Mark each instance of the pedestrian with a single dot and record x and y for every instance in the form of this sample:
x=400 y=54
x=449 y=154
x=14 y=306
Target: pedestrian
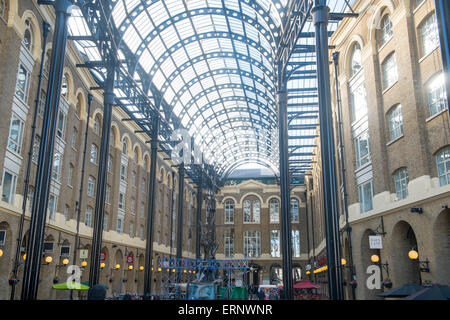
x=97 y=292
x=261 y=294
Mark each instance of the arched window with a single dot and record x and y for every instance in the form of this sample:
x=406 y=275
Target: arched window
x=124 y=146
x=274 y=211
x=136 y=157
x=389 y=71
x=428 y=35
x=229 y=211
x=386 y=31
x=251 y=212
x=443 y=166
x=355 y=60
x=395 y=119
x=436 y=94
x=401 y=180
x=97 y=125
x=417 y=3
x=28 y=36
x=294 y=210
x=3 y=10
x=65 y=87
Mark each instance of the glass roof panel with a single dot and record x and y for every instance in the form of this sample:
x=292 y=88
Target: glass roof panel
x=214 y=63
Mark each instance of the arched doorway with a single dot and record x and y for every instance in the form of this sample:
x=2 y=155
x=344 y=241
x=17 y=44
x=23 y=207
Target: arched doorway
x=441 y=239
x=5 y=259
x=366 y=254
x=276 y=274
x=296 y=273
x=117 y=273
x=105 y=271
x=404 y=269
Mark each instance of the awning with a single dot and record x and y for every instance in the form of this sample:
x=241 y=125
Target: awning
x=73 y=286
x=403 y=291
x=306 y=284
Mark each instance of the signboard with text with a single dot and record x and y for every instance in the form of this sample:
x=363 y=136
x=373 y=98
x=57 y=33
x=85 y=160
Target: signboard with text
x=375 y=242
x=84 y=254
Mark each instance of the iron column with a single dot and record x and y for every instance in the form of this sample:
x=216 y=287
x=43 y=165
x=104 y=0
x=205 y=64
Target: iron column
x=46 y=30
x=198 y=230
x=180 y=210
x=286 y=241
x=151 y=208
x=342 y=166
x=45 y=161
x=108 y=103
x=80 y=196
x=320 y=15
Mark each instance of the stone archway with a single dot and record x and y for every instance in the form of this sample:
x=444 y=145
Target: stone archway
x=404 y=269
x=6 y=260
x=441 y=241
x=117 y=274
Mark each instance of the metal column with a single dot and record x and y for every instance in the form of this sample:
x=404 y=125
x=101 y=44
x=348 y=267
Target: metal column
x=80 y=196
x=46 y=30
x=342 y=166
x=198 y=229
x=45 y=161
x=180 y=210
x=320 y=15
x=151 y=208
x=286 y=241
x=108 y=103
x=443 y=14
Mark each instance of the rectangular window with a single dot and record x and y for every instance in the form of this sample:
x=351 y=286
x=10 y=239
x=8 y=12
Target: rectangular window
x=123 y=172
x=91 y=186
x=132 y=206
x=365 y=192
x=109 y=165
x=252 y=244
x=56 y=170
x=42 y=99
x=22 y=84
x=74 y=138
x=30 y=196
x=274 y=211
x=362 y=149
x=133 y=179
x=70 y=175
x=141 y=232
x=142 y=210
x=294 y=210
x=108 y=194
x=15 y=134
x=229 y=243
x=275 y=243
x=389 y=68
x=105 y=222
x=295 y=244
x=401 y=180
x=66 y=212
x=121 y=201
x=119 y=228
x=358 y=99
x=36 y=148
x=61 y=124
x=88 y=217
x=52 y=205
x=229 y=211
x=395 y=118
x=143 y=186
x=9 y=187
x=131 y=229
x=94 y=153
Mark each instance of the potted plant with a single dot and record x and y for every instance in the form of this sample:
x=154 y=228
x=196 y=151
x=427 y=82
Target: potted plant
x=387 y=283
x=427 y=283
x=353 y=283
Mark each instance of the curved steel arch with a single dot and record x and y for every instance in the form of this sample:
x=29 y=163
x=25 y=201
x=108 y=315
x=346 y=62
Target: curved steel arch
x=210 y=35
x=218 y=72
x=228 y=170
x=259 y=11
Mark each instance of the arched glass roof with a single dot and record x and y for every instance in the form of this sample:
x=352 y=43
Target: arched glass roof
x=209 y=64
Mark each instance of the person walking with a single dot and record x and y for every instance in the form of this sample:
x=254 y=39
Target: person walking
x=261 y=294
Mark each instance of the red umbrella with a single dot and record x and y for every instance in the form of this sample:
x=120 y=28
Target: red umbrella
x=305 y=284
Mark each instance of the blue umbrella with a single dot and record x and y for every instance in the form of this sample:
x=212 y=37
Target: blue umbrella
x=435 y=292
x=403 y=291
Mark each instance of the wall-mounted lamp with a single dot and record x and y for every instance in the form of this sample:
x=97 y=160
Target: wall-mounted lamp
x=102 y=265
x=424 y=265
x=130 y=267
x=84 y=264
x=417 y=210
x=48 y=259
x=1 y=253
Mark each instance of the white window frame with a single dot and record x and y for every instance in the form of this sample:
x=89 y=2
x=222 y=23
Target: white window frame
x=294 y=217
x=88 y=216
x=401 y=180
x=94 y=154
x=362 y=161
x=229 y=211
x=395 y=120
x=252 y=244
x=52 y=206
x=274 y=211
x=296 y=244
x=275 y=244
x=13 y=185
x=22 y=92
x=389 y=71
x=362 y=197
x=15 y=145
x=428 y=35
x=91 y=186
x=442 y=163
x=228 y=243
